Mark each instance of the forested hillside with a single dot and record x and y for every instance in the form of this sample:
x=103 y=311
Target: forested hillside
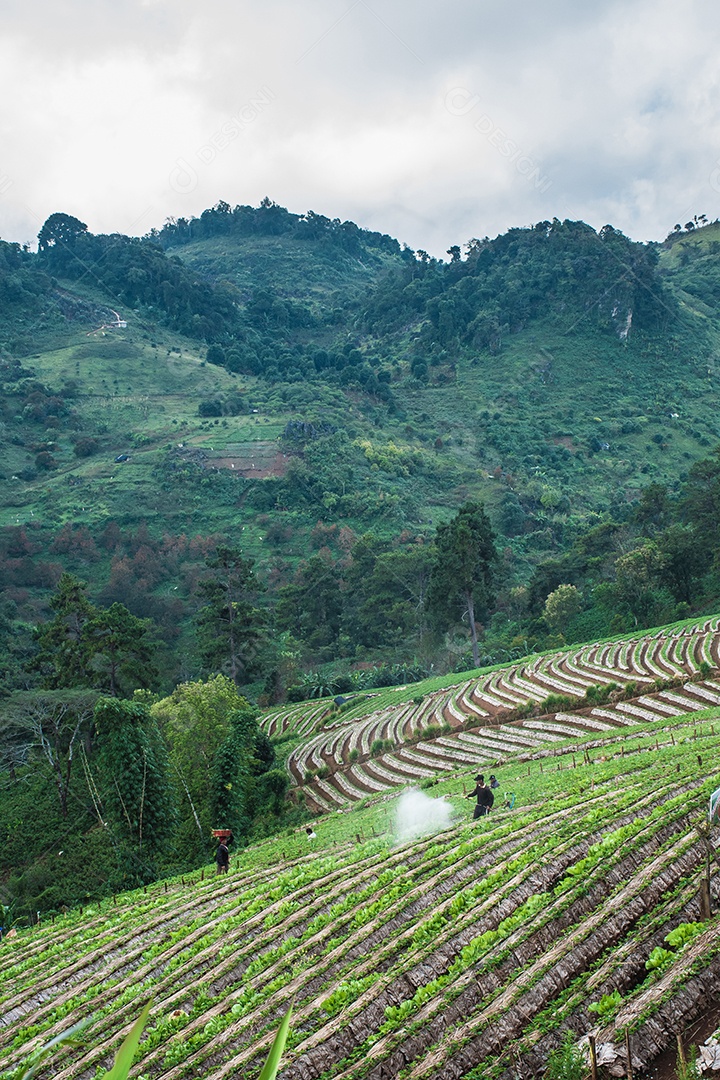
x=288 y=452
x=321 y=399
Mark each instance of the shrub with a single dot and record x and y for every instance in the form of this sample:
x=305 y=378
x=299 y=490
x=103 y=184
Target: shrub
x=378 y=745
x=297 y=693
x=556 y=702
x=599 y=695
x=215 y=355
x=45 y=460
x=567 y=1062
x=86 y=447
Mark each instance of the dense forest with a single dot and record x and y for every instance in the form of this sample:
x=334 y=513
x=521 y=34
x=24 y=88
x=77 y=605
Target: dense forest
x=257 y=456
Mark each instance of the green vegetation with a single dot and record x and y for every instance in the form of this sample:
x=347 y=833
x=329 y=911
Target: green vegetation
x=259 y=458
x=318 y=400
x=482 y=947
x=99 y=793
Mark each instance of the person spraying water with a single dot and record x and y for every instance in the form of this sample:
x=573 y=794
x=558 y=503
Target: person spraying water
x=485 y=798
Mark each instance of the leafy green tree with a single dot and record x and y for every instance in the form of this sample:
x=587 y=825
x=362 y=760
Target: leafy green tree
x=216 y=355
x=63 y=656
x=243 y=757
x=195 y=722
x=311 y=606
x=230 y=624
x=231 y=775
x=272 y=789
x=60 y=230
x=121 y=650
x=561 y=605
x=83 y=645
x=684 y=559
x=134 y=785
x=700 y=503
x=385 y=595
x=635 y=589
x=655 y=509
x=462 y=576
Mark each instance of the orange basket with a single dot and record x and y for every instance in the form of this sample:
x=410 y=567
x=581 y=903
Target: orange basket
x=222 y=834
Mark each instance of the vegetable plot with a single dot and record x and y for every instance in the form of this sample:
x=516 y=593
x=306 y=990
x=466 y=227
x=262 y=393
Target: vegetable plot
x=469 y=953
x=484 y=720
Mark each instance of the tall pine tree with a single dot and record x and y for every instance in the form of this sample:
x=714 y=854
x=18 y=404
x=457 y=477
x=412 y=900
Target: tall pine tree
x=461 y=579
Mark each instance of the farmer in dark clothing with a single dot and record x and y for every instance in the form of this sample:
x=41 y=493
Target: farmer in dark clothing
x=484 y=796
x=222 y=858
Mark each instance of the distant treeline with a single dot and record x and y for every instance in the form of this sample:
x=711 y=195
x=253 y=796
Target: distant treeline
x=269 y=219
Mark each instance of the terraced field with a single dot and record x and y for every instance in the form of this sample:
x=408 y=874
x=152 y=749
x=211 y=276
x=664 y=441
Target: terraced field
x=467 y=952
x=477 y=722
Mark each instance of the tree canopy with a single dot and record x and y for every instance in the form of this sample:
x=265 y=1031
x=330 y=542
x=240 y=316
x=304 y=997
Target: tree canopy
x=462 y=575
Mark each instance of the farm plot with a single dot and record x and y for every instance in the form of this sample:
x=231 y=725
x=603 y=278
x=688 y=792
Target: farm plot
x=481 y=944
x=390 y=746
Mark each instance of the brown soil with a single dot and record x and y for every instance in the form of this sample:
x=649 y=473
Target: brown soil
x=664 y=1067
x=566 y=441
x=254 y=460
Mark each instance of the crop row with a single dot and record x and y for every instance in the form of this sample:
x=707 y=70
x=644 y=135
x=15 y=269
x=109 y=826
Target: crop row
x=491 y=943
x=666 y=654
x=380 y=948
x=339 y=784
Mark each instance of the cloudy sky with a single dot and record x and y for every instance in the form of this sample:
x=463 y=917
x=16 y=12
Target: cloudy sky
x=434 y=122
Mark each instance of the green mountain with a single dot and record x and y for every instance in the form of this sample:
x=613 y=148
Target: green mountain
x=240 y=540
x=294 y=383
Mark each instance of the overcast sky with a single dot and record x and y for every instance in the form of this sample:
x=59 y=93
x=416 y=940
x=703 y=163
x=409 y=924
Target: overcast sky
x=434 y=122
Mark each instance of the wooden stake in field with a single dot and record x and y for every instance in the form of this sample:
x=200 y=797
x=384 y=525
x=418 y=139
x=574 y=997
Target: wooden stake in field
x=705 y=894
x=628 y=1051
x=593 y=1058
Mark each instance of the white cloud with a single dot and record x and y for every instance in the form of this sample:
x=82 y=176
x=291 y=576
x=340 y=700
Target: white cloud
x=609 y=112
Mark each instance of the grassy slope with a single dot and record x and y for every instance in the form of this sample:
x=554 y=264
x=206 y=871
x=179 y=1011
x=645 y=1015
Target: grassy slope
x=565 y=414
x=602 y=920
x=294 y=269
x=140 y=399
x=557 y=390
